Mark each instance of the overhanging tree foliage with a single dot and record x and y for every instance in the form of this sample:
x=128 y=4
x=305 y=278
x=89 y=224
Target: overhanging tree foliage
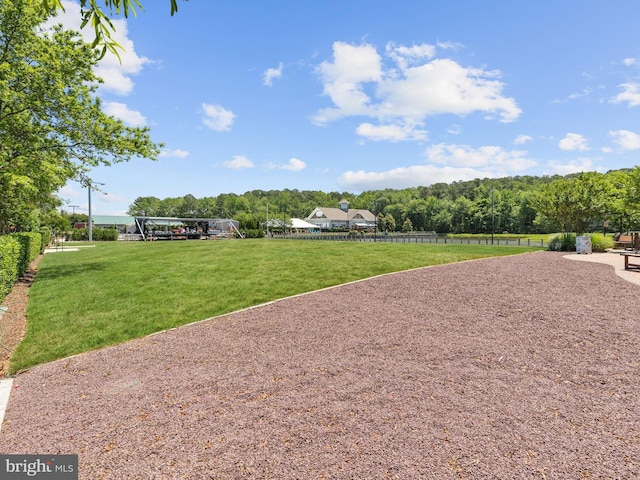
x=52 y=128
x=92 y=14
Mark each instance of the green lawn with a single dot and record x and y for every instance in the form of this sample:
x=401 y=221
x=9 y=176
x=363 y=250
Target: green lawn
x=118 y=291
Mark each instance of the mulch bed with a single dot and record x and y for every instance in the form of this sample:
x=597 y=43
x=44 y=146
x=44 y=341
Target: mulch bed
x=517 y=367
x=13 y=322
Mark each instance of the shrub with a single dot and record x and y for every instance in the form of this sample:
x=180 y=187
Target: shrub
x=97 y=234
x=9 y=260
x=600 y=242
x=78 y=234
x=30 y=243
x=45 y=234
x=253 y=233
x=110 y=234
x=564 y=242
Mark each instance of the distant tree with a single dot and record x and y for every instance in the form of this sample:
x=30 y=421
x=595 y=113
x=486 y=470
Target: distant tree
x=388 y=223
x=145 y=207
x=574 y=202
x=417 y=213
x=407 y=226
x=631 y=197
x=398 y=211
x=441 y=222
x=188 y=207
x=525 y=215
x=463 y=213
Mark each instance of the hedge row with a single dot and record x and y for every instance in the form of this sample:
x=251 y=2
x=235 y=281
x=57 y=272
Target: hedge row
x=17 y=251
x=97 y=234
x=9 y=260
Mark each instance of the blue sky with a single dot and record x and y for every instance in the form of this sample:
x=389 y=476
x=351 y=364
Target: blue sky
x=355 y=95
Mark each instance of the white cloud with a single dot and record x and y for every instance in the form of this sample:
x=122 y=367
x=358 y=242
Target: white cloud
x=69 y=192
x=444 y=86
x=522 y=139
x=582 y=164
x=486 y=157
x=217 y=118
x=294 y=165
x=454 y=129
x=572 y=142
x=626 y=139
x=405 y=56
x=271 y=74
x=629 y=62
x=121 y=111
x=405 y=177
x=393 y=133
x=115 y=73
x=344 y=79
x=630 y=94
x=445 y=163
x=415 y=87
x=238 y=162
x=110 y=197
x=176 y=153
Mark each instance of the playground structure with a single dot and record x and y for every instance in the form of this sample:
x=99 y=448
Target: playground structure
x=175 y=228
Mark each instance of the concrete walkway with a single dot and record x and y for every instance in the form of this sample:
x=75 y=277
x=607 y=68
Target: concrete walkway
x=612 y=258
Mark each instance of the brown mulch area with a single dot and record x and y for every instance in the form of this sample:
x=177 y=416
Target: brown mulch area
x=13 y=322
x=517 y=367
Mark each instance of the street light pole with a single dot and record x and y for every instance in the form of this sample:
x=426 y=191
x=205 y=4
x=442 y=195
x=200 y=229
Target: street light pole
x=492 y=216
x=89 y=184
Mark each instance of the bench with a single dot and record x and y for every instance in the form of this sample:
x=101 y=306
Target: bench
x=624 y=241
x=627 y=264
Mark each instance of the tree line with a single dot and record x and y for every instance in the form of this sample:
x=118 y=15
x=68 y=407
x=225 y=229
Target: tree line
x=521 y=204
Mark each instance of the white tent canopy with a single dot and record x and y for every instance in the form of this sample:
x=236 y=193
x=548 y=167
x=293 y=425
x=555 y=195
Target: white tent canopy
x=298 y=223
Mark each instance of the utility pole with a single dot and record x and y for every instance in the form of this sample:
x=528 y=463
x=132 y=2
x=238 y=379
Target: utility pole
x=89 y=185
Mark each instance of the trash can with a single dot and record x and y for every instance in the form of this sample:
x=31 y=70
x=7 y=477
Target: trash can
x=583 y=245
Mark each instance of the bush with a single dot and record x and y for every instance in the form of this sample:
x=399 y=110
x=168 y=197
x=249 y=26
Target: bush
x=9 y=260
x=110 y=234
x=30 y=243
x=254 y=233
x=97 y=234
x=600 y=242
x=565 y=242
x=45 y=234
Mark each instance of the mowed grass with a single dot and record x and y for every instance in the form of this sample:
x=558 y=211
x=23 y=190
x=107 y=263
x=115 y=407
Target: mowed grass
x=118 y=291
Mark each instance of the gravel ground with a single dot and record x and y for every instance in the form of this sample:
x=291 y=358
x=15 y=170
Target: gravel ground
x=505 y=368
